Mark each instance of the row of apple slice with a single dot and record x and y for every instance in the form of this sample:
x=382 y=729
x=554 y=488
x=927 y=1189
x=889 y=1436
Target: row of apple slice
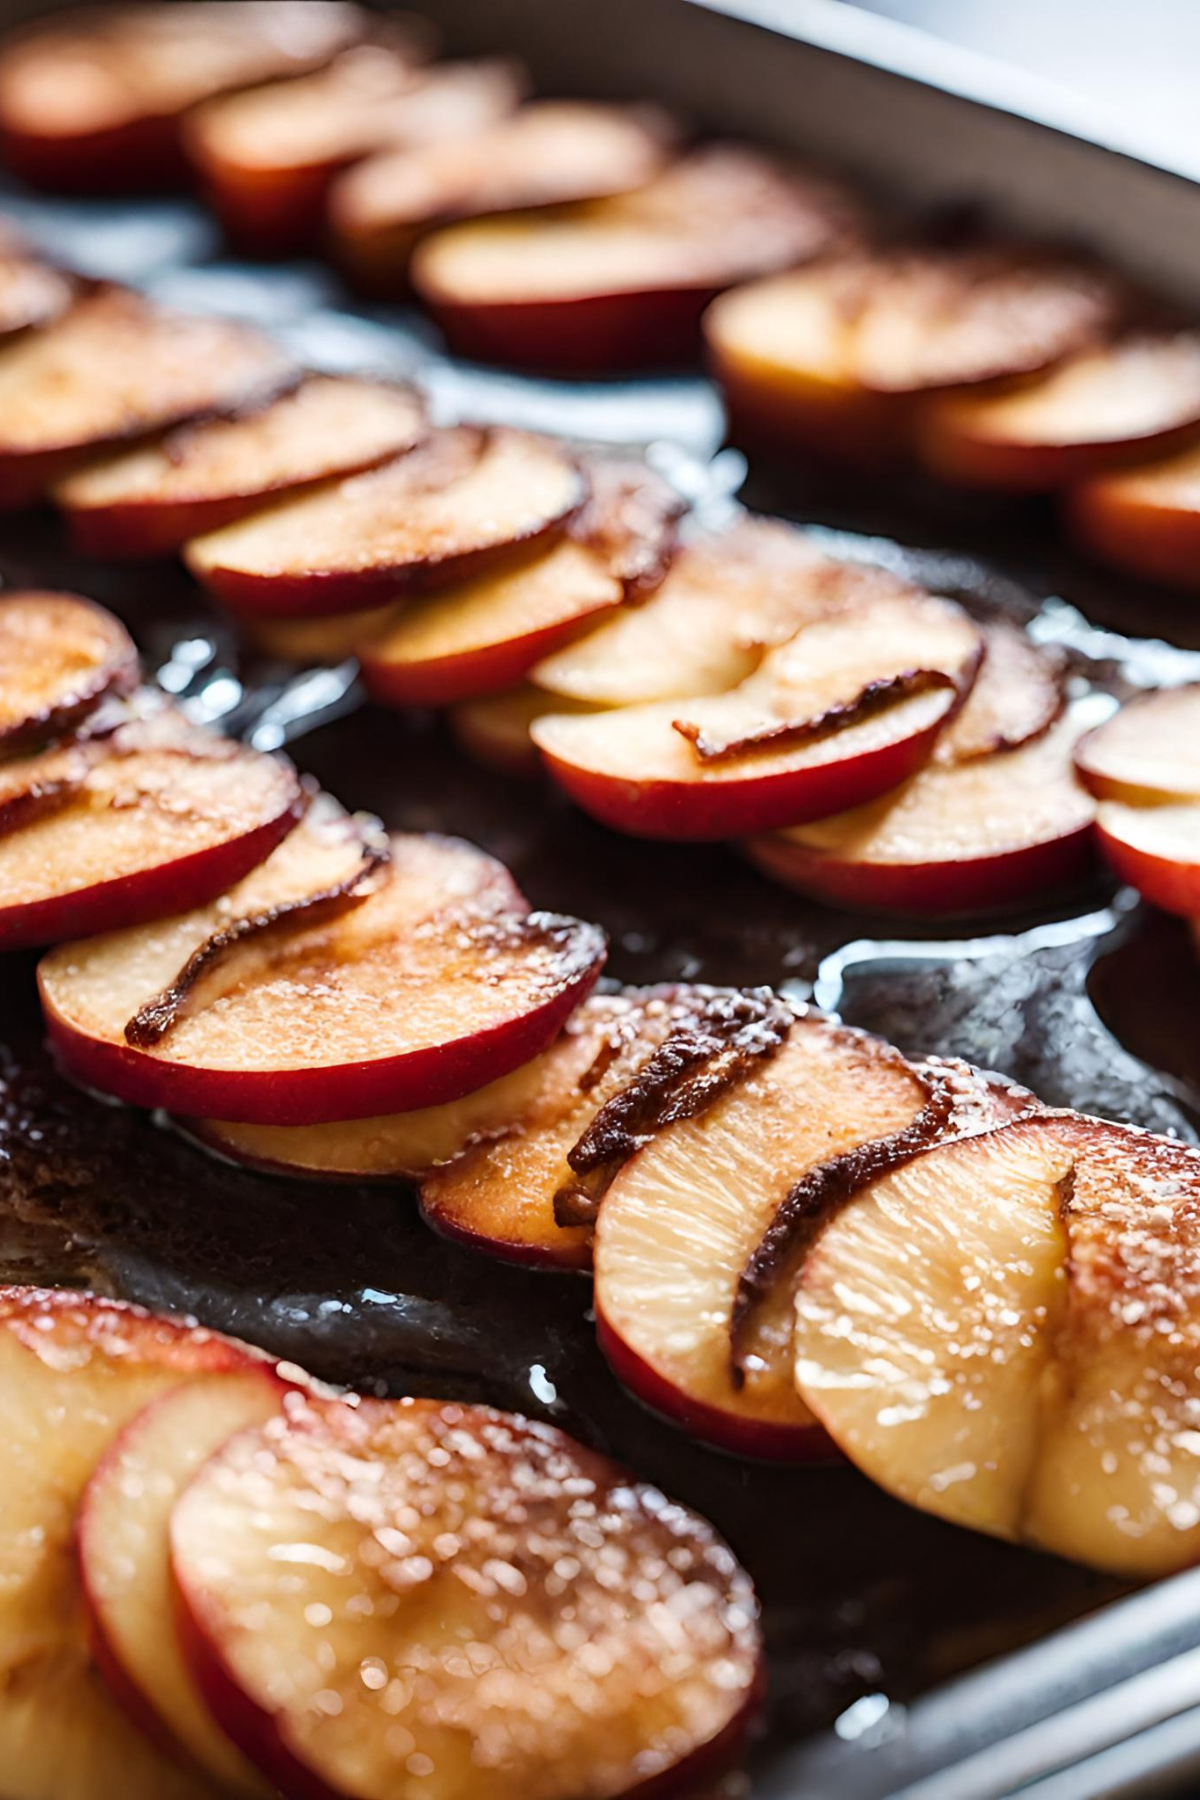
x=220 y=1579
x=1144 y=768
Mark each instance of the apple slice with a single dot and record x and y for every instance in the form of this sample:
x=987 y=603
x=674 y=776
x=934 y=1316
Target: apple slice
x=91 y=101
x=60 y=656
x=117 y=366
x=481 y=636
x=575 y=1631
x=700 y=1237
x=1145 y=521
x=829 y=358
x=844 y=710
x=124 y=1561
x=624 y=281
x=32 y=291
x=74 y=1371
x=547 y=153
x=966 y=837
x=1051 y=1399
x=165 y=816
x=463 y=499
x=147 y=501
x=1147 y=752
x=1117 y=403
x=436 y=982
x=1156 y=849
x=495 y=729
x=1018 y=695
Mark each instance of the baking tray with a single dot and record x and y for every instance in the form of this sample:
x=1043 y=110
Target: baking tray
x=870 y=1609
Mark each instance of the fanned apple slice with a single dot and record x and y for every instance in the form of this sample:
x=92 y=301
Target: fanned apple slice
x=481 y=636
x=961 y=838
x=1018 y=695
x=147 y=501
x=434 y=983
x=91 y=101
x=1156 y=849
x=624 y=281
x=495 y=729
x=1147 y=752
x=124 y=1561
x=60 y=655
x=701 y=1235
x=1052 y=1398
x=844 y=710
x=1144 y=520
x=165 y=816
x=32 y=291
x=461 y=500
x=117 y=366
x=1118 y=403
x=574 y=1631
x=74 y=1371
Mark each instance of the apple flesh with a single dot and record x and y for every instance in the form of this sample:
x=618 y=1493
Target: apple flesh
x=1114 y=404
x=966 y=837
x=462 y=1527
x=32 y=291
x=91 y=102
x=117 y=366
x=164 y=816
x=124 y=1561
x=844 y=710
x=460 y=501
x=1018 y=695
x=149 y=500
x=623 y=282
x=494 y=730
x=1144 y=520
x=74 y=1371
x=1147 y=752
x=61 y=656
x=434 y=983
x=1156 y=849
x=1051 y=1400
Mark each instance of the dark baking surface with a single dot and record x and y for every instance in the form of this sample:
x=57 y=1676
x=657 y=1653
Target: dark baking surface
x=1092 y=1002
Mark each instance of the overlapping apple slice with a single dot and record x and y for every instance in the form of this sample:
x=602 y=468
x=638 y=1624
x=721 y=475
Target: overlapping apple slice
x=844 y=710
x=152 y=817
x=411 y=985
x=117 y=366
x=1120 y=402
x=547 y=153
x=74 y=1371
x=1145 y=520
x=60 y=656
x=832 y=358
x=1156 y=849
x=481 y=636
x=147 y=501
x=701 y=1236
x=32 y=290
x=1051 y=1399
x=459 y=1599
x=462 y=500
x=90 y=101
x=1143 y=765
x=624 y=281
x=495 y=728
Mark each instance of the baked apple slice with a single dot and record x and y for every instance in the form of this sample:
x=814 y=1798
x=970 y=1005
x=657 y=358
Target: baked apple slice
x=623 y=282
x=74 y=1371
x=417 y=985
x=548 y=153
x=701 y=1235
x=1145 y=520
x=164 y=816
x=91 y=101
x=831 y=359
x=125 y=1568
x=1018 y=695
x=495 y=729
x=1119 y=402
x=1147 y=752
x=575 y=1631
x=149 y=500
x=117 y=366
x=463 y=499
x=1051 y=1398
x=481 y=636
x=1156 y=849
x=32 y=290
x=963 y=837
x=844 y=710
x=60 y=656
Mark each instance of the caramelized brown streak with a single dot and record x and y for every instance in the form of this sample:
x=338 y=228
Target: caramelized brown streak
x=875 y=698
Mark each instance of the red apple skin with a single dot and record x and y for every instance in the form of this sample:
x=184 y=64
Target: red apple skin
x=855 y=428
x=982 y=884
x=139 y=156
x=173 y=887
x=1156 y=543
x=133 y=531
x=587 y=335
x=1031 y=468
x=701 y=812
x=486 y=670
x=1175 y=887
x=269 y=213
x=573 y=1259
x=417 y=1078
x=711 y=1425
